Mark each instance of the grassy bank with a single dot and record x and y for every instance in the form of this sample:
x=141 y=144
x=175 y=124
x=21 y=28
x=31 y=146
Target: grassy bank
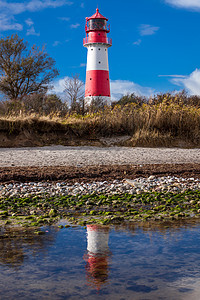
x=100 y=209
x=163 y=124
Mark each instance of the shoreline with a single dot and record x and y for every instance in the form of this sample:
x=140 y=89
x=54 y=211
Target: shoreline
x=160 y=199
x=88 y=191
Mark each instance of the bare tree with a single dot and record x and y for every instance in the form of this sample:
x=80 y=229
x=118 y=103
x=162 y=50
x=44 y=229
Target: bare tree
x=24 y=71
x=74 y=89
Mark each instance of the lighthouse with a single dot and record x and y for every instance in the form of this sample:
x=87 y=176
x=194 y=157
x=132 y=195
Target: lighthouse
x=97 y=44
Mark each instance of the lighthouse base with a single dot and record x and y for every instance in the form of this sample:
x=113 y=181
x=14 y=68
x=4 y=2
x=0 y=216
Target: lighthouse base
x=98 y=100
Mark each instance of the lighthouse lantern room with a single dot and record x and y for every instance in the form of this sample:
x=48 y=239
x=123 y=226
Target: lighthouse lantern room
x=97 y=44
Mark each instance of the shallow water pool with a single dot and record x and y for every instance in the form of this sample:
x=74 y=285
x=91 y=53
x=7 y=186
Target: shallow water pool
x=149 y=261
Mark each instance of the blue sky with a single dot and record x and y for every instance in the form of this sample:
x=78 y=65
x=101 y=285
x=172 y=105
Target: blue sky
x=156 y=43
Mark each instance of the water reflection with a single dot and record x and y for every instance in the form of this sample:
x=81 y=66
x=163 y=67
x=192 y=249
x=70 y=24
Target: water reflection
x=15 y=243
x=98 y=255
x=138 y=261
x=163 y=227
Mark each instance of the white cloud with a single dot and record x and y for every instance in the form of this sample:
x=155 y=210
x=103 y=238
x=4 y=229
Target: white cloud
x=36 y=5
x=75 y=25
x=174 y=76
x=191 y=83
x=13 y=8
x=59 y=87
x=82 y=5
x=64 y=18
x=137 y=43
x=29 y=22
x=56 y=43
x=120 y=88
x=9 y=23
x=188 y=4
x=9 y=9
x=16 y=8
x=31 y=31
x=146 y=29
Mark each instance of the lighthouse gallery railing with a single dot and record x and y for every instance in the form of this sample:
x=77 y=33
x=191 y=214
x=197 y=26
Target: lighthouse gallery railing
x=87 y=40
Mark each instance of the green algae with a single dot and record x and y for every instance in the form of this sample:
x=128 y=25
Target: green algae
x=37 y=211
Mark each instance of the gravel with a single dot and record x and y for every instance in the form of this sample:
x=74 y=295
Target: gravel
x=136 y=186
x=92 y=156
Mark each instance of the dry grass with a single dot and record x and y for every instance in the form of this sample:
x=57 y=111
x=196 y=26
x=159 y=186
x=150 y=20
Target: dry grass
x=164 y=124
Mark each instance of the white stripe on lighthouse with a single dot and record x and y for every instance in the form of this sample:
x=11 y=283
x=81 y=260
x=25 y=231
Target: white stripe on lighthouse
x=97 y=57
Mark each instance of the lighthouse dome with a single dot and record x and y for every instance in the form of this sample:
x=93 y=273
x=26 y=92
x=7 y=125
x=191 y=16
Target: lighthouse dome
x=97 y=15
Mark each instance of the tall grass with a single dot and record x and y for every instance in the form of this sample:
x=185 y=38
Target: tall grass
x=158 y=124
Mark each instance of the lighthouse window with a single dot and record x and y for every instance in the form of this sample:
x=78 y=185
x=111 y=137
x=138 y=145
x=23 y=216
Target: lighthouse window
x=99 y=62
x=99 y=33
x=99 y=49
x=105 y=49
x=90 y=78
x=97 y=24
x=92 y=49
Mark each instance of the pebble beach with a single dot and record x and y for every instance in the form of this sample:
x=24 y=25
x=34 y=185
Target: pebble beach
x=95 y=156
x=127 y=186
x=110 y=199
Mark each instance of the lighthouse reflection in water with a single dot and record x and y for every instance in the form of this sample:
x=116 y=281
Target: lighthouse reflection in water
x=98 y=255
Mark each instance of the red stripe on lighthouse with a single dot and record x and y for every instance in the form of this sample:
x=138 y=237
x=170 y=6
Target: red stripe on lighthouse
x=97 y=83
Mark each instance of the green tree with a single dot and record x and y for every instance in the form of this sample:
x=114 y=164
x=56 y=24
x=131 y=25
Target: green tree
x=23 y=71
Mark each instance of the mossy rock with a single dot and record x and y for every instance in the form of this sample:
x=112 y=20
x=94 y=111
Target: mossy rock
x=52 y=212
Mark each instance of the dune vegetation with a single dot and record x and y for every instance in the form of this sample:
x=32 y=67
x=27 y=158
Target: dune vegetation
x=165 y=120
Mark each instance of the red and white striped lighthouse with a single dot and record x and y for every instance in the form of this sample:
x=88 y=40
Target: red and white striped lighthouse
x=97 y=43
